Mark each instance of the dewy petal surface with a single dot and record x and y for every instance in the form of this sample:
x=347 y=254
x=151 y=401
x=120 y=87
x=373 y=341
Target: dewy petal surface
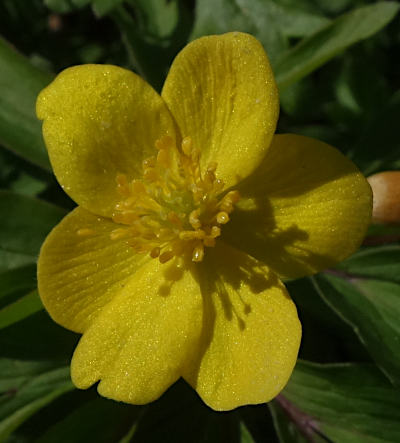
x=222 y=93
x=141 y=342
x=100 y=120
x=305 y=208
x=251 y=332
x=79 y=274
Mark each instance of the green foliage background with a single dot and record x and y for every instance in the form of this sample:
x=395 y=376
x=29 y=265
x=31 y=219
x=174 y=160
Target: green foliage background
x=337 y=65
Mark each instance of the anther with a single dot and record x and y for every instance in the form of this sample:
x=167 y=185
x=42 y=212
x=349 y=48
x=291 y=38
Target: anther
x=155 y=252
x=166 y=256
x=187 y=146
x=194 y=219
x=164 y=142
x=198 y=253
x=222 y=217
x=215 y=232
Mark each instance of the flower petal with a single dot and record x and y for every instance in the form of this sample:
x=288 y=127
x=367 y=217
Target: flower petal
x=79 y=274
x=306 y=208
x=100 y=120
x=222 y=93
x=251 y=332
x=141 y=341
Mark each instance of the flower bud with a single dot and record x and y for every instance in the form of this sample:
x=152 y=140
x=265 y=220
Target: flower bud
x=386 y=197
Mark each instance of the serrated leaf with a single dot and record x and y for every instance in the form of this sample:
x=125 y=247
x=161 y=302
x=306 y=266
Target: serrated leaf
x=20 y=83
x=350 y=403
x=372 y=308
x=23 y=228
x=317 y=49
x=17 y=406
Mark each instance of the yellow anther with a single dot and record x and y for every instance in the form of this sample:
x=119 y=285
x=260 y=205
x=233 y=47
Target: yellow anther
x=173 y=218
x=215 y=231
x=192 y=235
x=222 y=217
x=163 y=158
x=166 y=256
x=234 y=196
x=165 y=142
x=150 y=175
x=187 y=146
x=194 y=219
x=175 y=209
x=198 y=253
x=149 y=162
x=138 y=187
x=121 y=179
x=85 y=232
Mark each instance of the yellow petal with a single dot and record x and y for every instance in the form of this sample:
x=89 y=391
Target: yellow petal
x=142 y=340
x=81 y=269
x=306 y=208
x=222 y=93
x=100 y=120
x=251 y=332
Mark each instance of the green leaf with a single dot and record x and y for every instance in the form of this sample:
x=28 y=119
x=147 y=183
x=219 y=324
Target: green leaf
x=103 y=7
x=270 y=21
x=317 y=49
x=20 y=309
x=20 y=83
x=153 y=36
x=15 y=282
x=37 y=337
x=17 y=406
x=377 y=148
x=348 y=403
x=377 y=263
x=370 y=306
x=97 y=420
x=285 y=428
x=23 y=228
x=14 y=373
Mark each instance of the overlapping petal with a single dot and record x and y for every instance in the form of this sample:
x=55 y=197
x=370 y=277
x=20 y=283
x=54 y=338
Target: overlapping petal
x=100 y=120
x=305 y=208
x=142 y=340
x=222 y=93
x=79 y=274
x=251 y=332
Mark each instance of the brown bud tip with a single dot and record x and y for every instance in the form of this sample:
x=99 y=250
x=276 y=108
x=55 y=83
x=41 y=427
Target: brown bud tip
x=386 y=194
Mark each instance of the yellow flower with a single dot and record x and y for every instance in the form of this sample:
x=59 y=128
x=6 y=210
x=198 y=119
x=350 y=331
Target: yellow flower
x=190 y=212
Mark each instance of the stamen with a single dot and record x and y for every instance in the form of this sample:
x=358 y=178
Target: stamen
x=198 y=253
x=187 y=145
x=175 y=210
x=222 y=217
